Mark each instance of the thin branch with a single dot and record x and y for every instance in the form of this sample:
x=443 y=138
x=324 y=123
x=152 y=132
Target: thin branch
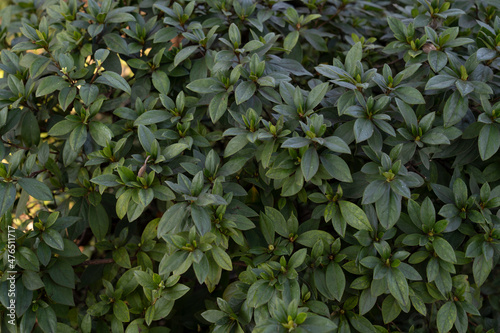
x=339 y=10
x=36 y=173
x=388 y=63
x=14 y=145
x=416 y=171
x=100 y=261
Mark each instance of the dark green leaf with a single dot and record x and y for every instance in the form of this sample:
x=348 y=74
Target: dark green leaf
x=98 y=221
x=446 y=317
x=35 y=188
x=114 y=80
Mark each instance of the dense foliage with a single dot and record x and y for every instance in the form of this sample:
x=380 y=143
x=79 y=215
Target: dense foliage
x=250 y=166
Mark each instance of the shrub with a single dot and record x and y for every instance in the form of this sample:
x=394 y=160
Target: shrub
x=238 y=166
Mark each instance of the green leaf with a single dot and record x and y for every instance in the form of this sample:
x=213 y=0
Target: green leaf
x=201 y=219
x=440 y=82
x=98 y=221
x=465 y=87
x=317 y=324
x=152 y=117
x=335 y=280
x=337 y=145
x=31 y=280
x=390 y=309
x=100 y=133
x=170 y=263
x=291 y=40
x=244 y=91
x=267 y=153
x=354 y=55
x=146 y=196
x=116 y=43
x=488 y=141
x=309 y=163
x=63 y=328
x=336 y=167
x=360 y=323
x=30 y=131
x=145 y=279
x=418 y=304
x=444 y=250
x=53 y=239
x=296 y=142
x=316 y=95
x=259 y=293
x=437 y=60
x=66 y=97
x=218 y=106
x=309 y=238
x=146 y=137
x=293 y=185
x=172 y=218
x=481 y=269
x=114 y=80
x=363 y=129
x=314 y=39
x=206 y=86
x=101 y=54
x=201 y=269
x=410 y=95
x=460 y=192
x=427 y=213
x=278 y=221
x=398 y=286
x=161 y=82
x=165 y=35
x=25 y=258
x=388 y=208
x=446 y=317
x=106 y=180
x=297 y=258
x=366 y=301
x=62 y=128
x=62 y=273
x=174 y=150
x=184 y=54
x=397 y=27
x=455 y=109
x=374 y=191
x=47 y=319
x=121 y=312
x=7 y=197
x=78 y=137
x=121 y=257
x=36 y=189
x=407 y=113
x=128 y=282
x=213 y=316
x=235 y=144
x=38 y=66
x=354 y=215
x=50 y=84
x=234 y=165
x=222 y=258
x=88 y=93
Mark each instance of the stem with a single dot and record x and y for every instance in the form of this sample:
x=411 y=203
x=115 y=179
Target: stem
x=14 y=145
x=36 y=173
x=95 y=74
x=100 y=261
x=339 y=10
x=389 y=63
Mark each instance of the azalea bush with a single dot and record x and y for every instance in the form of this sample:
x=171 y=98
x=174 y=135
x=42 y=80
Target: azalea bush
x=250 y=166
